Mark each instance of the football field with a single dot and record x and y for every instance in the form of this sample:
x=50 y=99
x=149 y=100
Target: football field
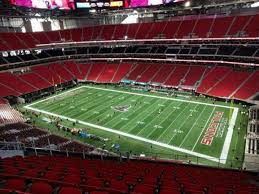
x=194 y=127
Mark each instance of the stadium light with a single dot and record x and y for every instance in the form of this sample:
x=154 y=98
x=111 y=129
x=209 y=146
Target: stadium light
x=256 y=4
x=187 y=4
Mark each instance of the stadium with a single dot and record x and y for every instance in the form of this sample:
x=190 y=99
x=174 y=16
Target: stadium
x=129 y=96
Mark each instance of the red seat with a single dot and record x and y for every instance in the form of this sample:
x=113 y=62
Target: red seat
x=15 y=184
x=8 y=191
x=69 y=190
x=11 y=170
x=41 y=188
x=51 y=176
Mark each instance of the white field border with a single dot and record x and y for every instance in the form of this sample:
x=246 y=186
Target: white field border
x=225 y=149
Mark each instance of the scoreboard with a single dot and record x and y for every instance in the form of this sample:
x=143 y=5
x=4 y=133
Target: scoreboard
x=122 y=3
x=88 y=4
x=99 y=3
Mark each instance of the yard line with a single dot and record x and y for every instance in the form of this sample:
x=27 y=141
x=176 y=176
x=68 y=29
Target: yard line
x=135 y=118
x=106 y=105
x=54 y=96
x=228 y=138
x=146 y=117
x=129 y=135
x=204 y=128
x=192 y=126
x=172 y=123
x=175 y=133
x=166 y=117
x=80 y=103
x=114 y=117
x=94 y=106
x=98 y=102
x=52 y=104
x=160 y=97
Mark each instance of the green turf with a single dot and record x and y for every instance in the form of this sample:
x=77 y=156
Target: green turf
x=173 y=122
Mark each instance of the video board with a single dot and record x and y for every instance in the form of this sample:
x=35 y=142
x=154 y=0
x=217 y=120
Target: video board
x=122 y=3
x=45 y=4
x=88 y=4
x=99 y=3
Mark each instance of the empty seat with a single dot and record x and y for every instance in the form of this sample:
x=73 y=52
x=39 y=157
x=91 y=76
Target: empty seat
x=69 y=190
x=15 y=184
x=41 y=188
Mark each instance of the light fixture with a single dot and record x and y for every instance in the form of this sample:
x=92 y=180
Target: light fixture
x=187 y=4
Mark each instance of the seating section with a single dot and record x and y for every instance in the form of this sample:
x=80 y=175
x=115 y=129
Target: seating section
x=220 y=27
x=41 y=37
x=149 y=73
x=84 y=70
x=32 y=136
x=137 y=71
x=47 y=74
x=194 y=74
x=95 y=71
x=72 y=67
x=9 y=80
x=165 y=71
x=249 y=88
x=7 y=91
x=178 y=74
x=35 y=80
x=251 y=29
x=132 y=30
x=170 y=29
x=9 y=115
x=108 y=73
x=180 y=27
x=11 y=41
x=121 y=72
x=45 y=174
x=228 y=84
x=185 y=29
x=143 y=30
x=202 y=27
x=63 y=74
x=237 y=25
x=40 y=77
x=219 y=81
x=211 y=78
x=156 y=30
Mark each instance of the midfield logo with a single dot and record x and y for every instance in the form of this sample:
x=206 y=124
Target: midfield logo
x=121 y=108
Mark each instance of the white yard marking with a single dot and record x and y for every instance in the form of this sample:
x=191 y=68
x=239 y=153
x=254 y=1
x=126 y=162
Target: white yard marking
x=204 y=128
x=127 y=135
x=175 y=131
x=158 y=127
x=113 y=118
x=163 y=119
x=227 y=141
x=192 y=126
x=54 y=96
x=228 y=138
x=172 y=122
x=135 y=119
x=151 y=112
x=160 y=97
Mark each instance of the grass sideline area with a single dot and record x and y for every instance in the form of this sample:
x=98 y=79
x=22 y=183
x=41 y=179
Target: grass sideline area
x=170 y=127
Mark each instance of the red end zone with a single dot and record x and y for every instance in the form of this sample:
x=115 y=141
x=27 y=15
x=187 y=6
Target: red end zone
x=212 y=129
